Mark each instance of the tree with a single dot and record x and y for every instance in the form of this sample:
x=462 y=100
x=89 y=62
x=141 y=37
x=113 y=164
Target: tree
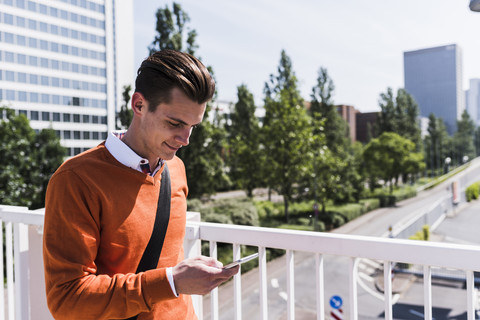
x=463 y=138
x=125 y=115
x=322 y=107
x=287 y=132
x=400 y=115
x=172 y=29
x=28 y=160
x=203 y=158
x=338 y=161
x=389 y=156
x=436 y=143
x=48 y=155
x=244 y=142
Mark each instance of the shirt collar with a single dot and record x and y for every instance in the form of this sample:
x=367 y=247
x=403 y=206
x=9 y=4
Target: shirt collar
x=123 y=154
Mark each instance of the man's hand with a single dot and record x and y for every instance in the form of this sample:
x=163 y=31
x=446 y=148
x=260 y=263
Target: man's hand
x=200 y=275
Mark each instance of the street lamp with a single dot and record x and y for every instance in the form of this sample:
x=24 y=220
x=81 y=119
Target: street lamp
x=447 y=164
x=475 y=5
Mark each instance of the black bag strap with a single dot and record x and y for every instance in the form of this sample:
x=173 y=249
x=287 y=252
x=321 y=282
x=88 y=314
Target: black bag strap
x=154 y=247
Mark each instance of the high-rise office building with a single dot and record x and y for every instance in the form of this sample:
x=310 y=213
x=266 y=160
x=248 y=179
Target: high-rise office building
x=433 y=77
x=63 y=63
x=472 y=100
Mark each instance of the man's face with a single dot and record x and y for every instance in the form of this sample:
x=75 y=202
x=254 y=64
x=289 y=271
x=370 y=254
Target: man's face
x=168 y=128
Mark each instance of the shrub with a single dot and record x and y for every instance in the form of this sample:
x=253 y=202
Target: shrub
x=423 y=234
x=472 y=191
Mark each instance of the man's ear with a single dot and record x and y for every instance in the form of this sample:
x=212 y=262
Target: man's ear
x=139 y=104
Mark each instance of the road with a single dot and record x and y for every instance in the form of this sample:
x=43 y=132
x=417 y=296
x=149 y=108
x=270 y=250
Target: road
x=370 y=302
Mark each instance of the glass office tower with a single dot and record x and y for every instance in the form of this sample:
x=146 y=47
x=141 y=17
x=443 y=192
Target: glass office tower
x=433 y=77
x=63 y=66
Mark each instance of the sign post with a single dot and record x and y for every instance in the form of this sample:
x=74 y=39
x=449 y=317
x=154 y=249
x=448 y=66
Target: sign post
x=336 y=303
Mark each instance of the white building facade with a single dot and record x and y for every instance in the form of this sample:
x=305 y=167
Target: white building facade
x=62 y=64
x=472 y=99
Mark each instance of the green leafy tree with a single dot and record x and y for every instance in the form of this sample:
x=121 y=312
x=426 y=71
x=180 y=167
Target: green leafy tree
x=437 y=143
x=244 y=142
x=322 y=107
x=463 y=138
x=338 y=142
x=28 y=160
x=125 y=115
x=173 y=31
x=400 y=115
x=48 y=155
x=389 y=156
x=287 y=132
x=204 y=157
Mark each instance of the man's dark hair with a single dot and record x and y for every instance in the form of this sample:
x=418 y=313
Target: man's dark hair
x=168 y=69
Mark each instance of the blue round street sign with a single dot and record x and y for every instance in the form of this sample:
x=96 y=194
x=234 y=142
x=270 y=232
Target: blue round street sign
x=336 y=302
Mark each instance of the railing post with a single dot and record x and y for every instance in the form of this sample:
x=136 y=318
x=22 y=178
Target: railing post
x=9 y=255
x=387 y=289
x=2 y=278
x=262 y=266
x=427 y=292
x=471 y=296
x=290 y=285
x=214 y=293
x=22 y=299
x=353 y=289
x=237 y=285
x=320 y=287
x=192 y=247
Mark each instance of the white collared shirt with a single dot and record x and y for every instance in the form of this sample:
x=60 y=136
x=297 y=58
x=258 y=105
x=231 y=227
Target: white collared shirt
x=126 y=156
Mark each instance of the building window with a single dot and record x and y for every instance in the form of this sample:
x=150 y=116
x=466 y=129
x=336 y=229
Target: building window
x=21 y=59
x=66 y=117
x=34 y=115
x=32 y=24
x=76 y=135
x=66 y=134
x=24 y=112
x=32 y=60
x=10 y=95
x=86 y=118
x=22 y=77
x=77 y=151
x=56 y=116
x=32 y=43
x=9 y=75
x=46 y=116
x=45 y=98
x=33 y=79
x=33 y=97
x=86 y=135
x=76 y=118
x=95 y=135
x=22 y=96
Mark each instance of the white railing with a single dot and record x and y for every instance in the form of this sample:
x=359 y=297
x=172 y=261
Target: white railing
x=25 y=295
x=427 y=254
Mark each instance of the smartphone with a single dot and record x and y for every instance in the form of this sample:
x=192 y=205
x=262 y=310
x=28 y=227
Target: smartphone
x=240 y=261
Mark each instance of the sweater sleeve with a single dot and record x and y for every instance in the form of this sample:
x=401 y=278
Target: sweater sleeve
x=71 y=240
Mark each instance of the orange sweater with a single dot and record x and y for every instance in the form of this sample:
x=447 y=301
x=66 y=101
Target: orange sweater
x=98 y=220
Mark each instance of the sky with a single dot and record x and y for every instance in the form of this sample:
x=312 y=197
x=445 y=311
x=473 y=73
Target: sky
x=360 y=43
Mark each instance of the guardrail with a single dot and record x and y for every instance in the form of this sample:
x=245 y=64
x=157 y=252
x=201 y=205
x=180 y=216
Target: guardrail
x=25 y=284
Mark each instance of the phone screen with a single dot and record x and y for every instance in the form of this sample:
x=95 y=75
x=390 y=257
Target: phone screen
x=241 y=260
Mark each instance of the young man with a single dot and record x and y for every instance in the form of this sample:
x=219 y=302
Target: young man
x=101 y=207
